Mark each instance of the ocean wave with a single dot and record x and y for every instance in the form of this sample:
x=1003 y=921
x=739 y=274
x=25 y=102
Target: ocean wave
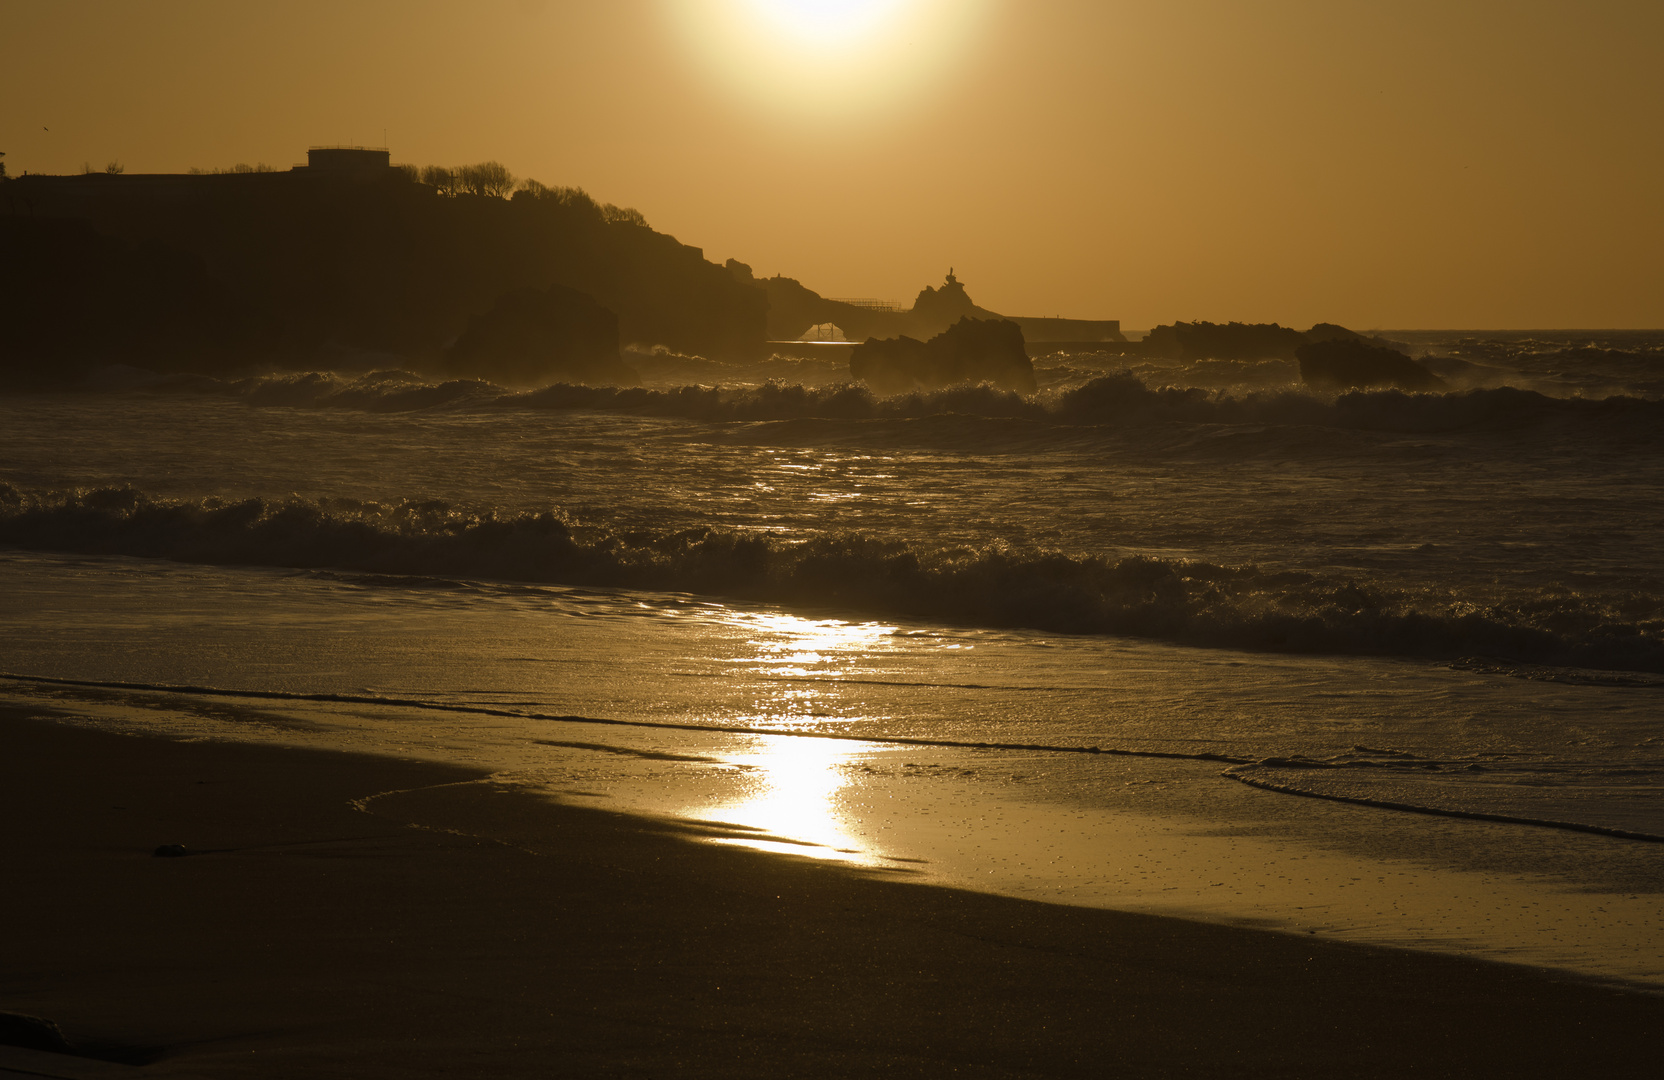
x=1190 y=602
x=1116 y=400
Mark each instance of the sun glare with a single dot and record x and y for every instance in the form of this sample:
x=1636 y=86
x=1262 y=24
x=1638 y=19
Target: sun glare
x=824 y=59
x=822 y=22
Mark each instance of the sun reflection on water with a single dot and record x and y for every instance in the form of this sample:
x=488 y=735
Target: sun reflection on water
x=789 y=633
x=796 y=667
x=792 y=800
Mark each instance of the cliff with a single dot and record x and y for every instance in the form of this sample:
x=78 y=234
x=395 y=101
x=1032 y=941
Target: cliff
x=291 y=262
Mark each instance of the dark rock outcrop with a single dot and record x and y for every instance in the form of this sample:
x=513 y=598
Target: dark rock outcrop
x=1246 y=341
x=534 y=337
x=1345 y=363
x=1223 y=341
x=969 y=351
x=1324 y=331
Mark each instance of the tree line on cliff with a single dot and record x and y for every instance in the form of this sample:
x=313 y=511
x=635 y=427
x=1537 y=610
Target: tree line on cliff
x=210 y=272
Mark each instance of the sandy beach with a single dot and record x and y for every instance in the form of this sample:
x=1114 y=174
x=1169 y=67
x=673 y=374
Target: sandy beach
x=821 y=538
x=357 y=916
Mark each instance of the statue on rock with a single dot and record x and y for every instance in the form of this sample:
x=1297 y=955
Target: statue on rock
x=935 y=310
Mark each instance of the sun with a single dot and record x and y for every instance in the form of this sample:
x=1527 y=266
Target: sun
x=828 y=22
x=827 y=59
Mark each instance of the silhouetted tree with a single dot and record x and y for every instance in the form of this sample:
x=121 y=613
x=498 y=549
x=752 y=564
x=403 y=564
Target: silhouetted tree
x=489 y=179
x=440 y=179
x=115 y=168
x=622 y=215
x=575 y=201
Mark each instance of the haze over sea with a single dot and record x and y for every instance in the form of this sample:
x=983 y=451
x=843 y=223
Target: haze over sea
x=1090 y=646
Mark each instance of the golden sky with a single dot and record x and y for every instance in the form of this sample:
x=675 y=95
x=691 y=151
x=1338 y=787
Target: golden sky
x=1378 y=163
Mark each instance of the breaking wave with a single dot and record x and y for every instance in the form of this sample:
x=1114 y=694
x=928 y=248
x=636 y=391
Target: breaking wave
x=1183 y=601
x=1121 y=399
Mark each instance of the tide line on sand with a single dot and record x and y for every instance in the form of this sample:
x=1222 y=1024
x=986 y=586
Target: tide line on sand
x=1237 y=764
x=1438 y=811
x=729 y=729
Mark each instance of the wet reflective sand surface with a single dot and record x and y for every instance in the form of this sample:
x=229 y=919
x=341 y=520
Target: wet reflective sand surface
x=865 y=744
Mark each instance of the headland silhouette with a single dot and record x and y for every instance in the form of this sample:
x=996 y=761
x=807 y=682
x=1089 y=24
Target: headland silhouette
x=471 y=272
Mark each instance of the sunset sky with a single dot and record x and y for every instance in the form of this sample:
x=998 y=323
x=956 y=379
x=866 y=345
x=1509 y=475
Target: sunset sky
x=1401 y=164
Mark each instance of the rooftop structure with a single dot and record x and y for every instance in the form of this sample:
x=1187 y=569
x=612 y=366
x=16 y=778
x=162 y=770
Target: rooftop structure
x=356 y=159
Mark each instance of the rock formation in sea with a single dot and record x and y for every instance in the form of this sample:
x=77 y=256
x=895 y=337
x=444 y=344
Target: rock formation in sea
x=1244 y=341
x=1342 y=363
x=534 y=337
x=970 y=351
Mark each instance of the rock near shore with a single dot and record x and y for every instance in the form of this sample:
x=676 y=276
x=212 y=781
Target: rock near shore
x=970 y=351
x=1352 y=363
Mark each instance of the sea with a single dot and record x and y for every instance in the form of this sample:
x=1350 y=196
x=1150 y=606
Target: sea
x=1187 y=638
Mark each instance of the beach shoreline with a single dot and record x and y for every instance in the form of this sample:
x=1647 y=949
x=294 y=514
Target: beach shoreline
x=1124 y=833
x=351 y=915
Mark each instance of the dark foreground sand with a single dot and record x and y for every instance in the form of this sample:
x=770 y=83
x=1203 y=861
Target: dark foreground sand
x=508 y=937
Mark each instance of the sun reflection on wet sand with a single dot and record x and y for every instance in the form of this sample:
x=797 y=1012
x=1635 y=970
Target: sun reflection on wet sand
x=791 y=804
x=793 y=797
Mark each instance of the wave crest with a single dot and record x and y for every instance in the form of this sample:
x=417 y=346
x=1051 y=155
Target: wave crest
x=1183 y=601
x=1115 y=400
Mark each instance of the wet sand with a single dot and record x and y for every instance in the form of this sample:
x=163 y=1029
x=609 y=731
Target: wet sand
x=356 y=916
